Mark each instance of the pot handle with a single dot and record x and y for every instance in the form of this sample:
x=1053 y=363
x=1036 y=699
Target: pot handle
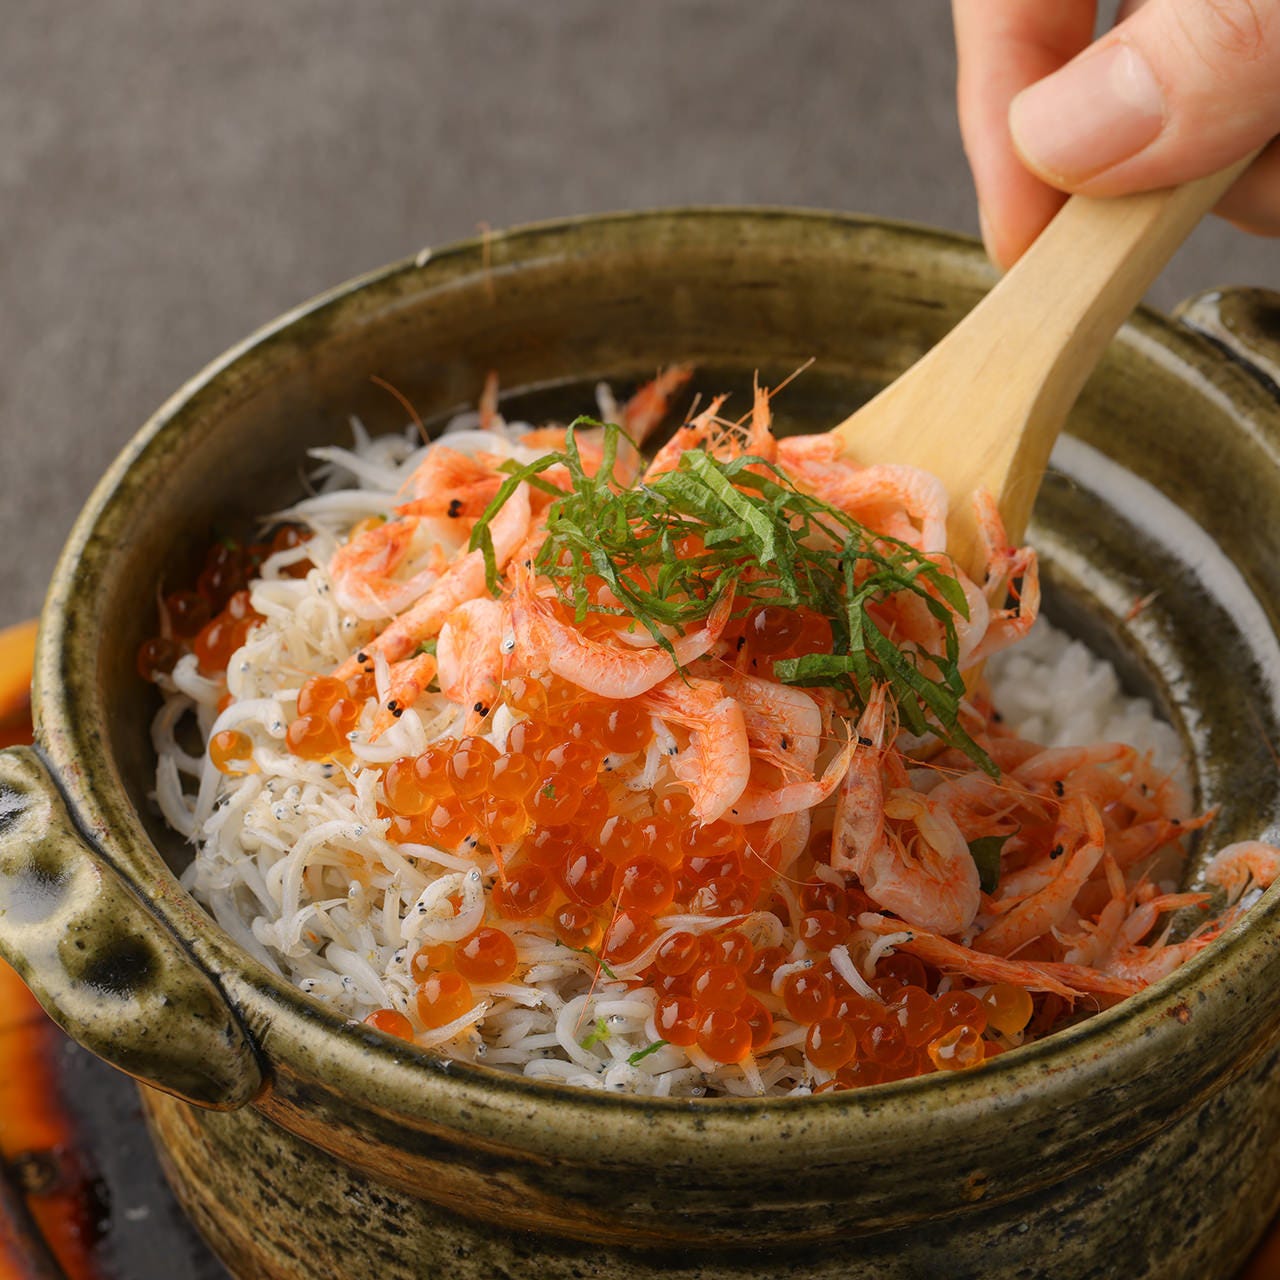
x=103 y=966
x=1242 y=323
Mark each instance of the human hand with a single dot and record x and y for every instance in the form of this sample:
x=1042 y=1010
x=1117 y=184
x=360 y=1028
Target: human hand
x=1176 y=90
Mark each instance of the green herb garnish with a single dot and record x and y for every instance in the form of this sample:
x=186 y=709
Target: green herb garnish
x=587 y=951
x=669 y=549
x=641 y=1054
x=986 y=855
x=597 y=1035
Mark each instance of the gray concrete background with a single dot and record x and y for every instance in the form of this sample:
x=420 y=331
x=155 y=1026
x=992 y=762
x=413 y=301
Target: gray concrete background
x=174 y=175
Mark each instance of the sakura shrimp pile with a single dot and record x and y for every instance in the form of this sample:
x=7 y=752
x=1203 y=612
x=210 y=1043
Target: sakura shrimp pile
x=658 y=777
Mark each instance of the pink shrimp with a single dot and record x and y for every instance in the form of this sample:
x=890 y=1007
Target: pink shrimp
x=784 y=724
x=1151 y=963
x=463 y=580
x=760 y=441
x=607 y=670
x=363 y=571
x=912 y=620
x=762 y=804
x=784 y=840
x=640 y=416
x=1236 y=866
x=470 y=655
x=1057 y=764
x=1094 y=939
x=408 y=681
x=716 y=764
x=1010 y=572
x=1144 y=915
x=453 y=484
x=693 y=433
x=904 y=502
x=1067 y=980
x=1047 y=908
x=795 y=452
x=1142 y=839
x=589 y=442
x=927 y=876
x=951 y=957
x=980 y=805
x=547 y=439
x=859 y=820
x=648 y=406
x=488 y=406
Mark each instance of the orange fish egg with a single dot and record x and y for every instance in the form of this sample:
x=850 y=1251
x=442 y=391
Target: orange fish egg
x=231 y=752
x=724 y=1036
x=1008 y=1008
x=392 y=1021
x=443 y=998
x=488 y=955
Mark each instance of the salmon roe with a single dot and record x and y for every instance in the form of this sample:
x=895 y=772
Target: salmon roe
x=958 y=1048
x=719 y=986
x=443 y=998
x=1008 y=1008
x=676 y=1018
x=724 y=1036
x=214 y=618
x=414 y=784
x=830 y=1044
x=678 y=954
x=577 y=927
x=488 y=955
x=807 y=995
x=326 y=715
x=392 y=1021
x=231 y=752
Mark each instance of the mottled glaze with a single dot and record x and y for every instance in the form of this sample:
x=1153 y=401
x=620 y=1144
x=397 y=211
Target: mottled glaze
x=1141 y=1142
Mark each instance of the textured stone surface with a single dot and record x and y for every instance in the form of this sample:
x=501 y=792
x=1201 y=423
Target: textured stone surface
x=172 y=176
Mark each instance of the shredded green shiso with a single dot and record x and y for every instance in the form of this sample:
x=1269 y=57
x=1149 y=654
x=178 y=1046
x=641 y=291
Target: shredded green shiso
x=767 y=542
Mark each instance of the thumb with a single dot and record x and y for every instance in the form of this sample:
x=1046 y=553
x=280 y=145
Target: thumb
x=1179 y=89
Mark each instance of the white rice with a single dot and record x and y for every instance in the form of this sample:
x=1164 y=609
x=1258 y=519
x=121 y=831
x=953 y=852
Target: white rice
x=1056 y=691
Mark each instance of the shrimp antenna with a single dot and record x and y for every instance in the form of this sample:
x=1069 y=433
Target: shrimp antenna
x=405 y=402
x=793 y=375
x=787 y=381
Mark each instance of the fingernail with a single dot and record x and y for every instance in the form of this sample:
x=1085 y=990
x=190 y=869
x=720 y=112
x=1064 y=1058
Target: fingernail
x=1091 y=115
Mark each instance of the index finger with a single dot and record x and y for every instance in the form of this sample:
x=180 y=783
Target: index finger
x=1002 y=46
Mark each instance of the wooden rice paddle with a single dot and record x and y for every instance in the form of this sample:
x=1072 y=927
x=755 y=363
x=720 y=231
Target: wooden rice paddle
x=982 y=409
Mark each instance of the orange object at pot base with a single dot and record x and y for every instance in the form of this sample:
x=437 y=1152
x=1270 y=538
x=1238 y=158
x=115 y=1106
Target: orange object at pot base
x=48 y=1206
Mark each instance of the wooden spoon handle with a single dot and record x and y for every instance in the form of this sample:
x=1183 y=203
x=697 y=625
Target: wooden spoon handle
x=1073 y=289
x=983 y=408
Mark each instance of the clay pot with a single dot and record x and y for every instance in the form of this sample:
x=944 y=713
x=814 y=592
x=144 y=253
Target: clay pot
x=1141 y=1142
